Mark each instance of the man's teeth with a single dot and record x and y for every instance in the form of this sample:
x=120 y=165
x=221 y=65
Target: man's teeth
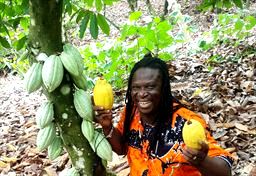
x=144 y=104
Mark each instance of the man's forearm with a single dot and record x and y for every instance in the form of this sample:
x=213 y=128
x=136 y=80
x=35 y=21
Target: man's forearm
x=214 y=166
x=116 y=141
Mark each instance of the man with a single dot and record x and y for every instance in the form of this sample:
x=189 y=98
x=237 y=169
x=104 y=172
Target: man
x=150 y=129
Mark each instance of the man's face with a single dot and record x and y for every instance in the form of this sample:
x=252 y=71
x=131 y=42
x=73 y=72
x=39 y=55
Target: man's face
x=146 y=91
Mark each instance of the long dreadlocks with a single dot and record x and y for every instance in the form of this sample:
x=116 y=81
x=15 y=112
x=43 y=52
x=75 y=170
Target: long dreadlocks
x=166 y=102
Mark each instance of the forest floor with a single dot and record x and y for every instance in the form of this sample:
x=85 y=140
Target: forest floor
x=224 y=96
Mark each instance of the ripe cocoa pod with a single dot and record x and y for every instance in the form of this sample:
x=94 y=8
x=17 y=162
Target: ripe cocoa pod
x=80 y=81
x=103 y=94
x=83 y=104
x=193 y=132
x=45 y=136
x=72 y=172
x=33 y=77
x=75 y=54
x=70 y=63
x=45 y=115
x=87 y=129
x=52 y=72
x=101 y=146
x=55 y=148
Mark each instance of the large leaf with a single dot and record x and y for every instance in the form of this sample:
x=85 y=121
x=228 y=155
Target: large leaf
x=21 y=42
x=80 y=15
x=94 y=30
x=98 y=5
x=4 y=42
x=103 y=24
x=84 y=23
x=89 y=2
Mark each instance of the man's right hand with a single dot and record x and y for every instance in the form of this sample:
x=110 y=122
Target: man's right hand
x=103 y=117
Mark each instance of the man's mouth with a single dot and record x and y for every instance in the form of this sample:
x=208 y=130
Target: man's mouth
x=144 y=104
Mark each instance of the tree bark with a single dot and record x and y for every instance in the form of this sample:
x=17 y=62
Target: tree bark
x=45 y=36
x=45 y=25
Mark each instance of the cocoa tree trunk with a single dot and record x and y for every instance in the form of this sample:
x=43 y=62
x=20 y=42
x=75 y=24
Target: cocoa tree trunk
x=45 y=36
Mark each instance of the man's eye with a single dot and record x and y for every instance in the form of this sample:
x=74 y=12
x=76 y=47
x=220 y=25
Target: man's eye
x=135 y=88
x=150 y=87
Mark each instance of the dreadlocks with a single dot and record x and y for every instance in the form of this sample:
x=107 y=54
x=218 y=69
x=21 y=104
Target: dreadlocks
x=166 y=97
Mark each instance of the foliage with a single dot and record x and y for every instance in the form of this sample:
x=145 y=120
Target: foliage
x=14 y=23
x=115 y=58
x=211 y=4
x=88 y=14
x=228 y=29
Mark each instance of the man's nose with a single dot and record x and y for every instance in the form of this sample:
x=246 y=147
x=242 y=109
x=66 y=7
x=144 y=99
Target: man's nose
x=142 y=92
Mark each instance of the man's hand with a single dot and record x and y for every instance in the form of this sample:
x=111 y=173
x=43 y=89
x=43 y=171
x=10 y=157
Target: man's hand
x=103 y=117
x=196 y=157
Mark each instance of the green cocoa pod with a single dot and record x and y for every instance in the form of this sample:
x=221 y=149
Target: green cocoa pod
x=70 y=63
x=75 y=54
x=104 y=163
x=45 y=115
x=55 y=148
x=101 y=146
x=45 y=136
x=33 y=77
x=52 y=72
x=87 y=129
x=80 y=81
x=72 y=172
x=83 y=104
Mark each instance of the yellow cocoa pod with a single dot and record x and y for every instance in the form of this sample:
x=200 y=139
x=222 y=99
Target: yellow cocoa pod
x=193 y=132
x=103 y=94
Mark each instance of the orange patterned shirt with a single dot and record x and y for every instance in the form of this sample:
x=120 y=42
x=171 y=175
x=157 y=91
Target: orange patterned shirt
x=167 y=159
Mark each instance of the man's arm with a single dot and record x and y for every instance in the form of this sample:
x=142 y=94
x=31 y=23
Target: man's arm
x=208 y=166
x=104 y=118
x=214 y=166
x=115 y=139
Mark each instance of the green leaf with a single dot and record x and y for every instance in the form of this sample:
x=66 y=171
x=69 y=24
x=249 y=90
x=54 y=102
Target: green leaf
x=6 y=30
x=251 y=22
x=68 y=8
x=15 y=22
x=219 y=4
x=227 y=3
x=21 y=42
x=84 y=23
x=2 y=6
x=109 y=2
x=135 y=16
x=238 y=3
x=79 y=16
x=94 y=30
x=166 y=56
x=89 y=2
x=239 y=25
x=103 y=24
x=24 y=23
x=4 y=42
x=98 y=4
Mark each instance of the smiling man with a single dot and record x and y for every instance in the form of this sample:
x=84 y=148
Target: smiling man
x=150 y=129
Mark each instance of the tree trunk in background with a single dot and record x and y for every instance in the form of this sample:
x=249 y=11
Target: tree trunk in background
x=45 y=36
